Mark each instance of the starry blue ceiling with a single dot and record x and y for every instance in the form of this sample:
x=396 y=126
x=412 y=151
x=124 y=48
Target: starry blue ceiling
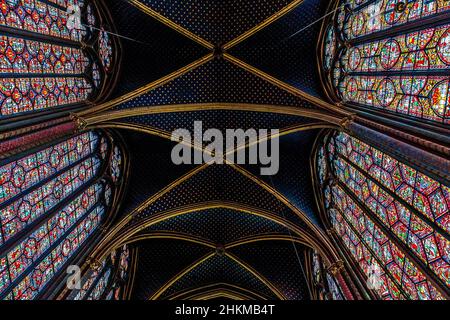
x=220 y=269
x=151 y=167
x=158 y=50
x=220 y=226
x=228 y=119
x=218 y=183
x=280 y=262
x=294 y=179
x=159 y=261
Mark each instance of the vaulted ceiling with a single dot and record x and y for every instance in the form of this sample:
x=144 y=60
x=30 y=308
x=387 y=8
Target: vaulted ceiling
x=220 y=229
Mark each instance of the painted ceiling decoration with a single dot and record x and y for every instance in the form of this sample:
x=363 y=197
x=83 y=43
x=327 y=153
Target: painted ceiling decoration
x=359 y=208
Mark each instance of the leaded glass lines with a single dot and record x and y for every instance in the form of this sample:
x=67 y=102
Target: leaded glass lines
x=39 y=17
x=49 y=234
x=52 y=200
x=43 y=64
x=403 y=72
x=401 y=269
x=428 y=196
x=22 y=212
x=17 y=176
x=33 y=283
x=375 y=201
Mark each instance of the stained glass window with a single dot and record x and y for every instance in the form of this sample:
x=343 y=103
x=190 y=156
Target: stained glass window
x=47 y=66
x=322 y=165
x=116 y=163
x=390 y=217
x=331 y=286
x=381 y=66
x=43 y=272
x=105 y=282
x=51 y=201
x=87 y=282
x=124 y=263
x=105 y=50
x=334 y=288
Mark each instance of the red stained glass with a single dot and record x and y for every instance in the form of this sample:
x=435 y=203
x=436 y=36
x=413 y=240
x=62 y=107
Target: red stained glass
x=41 y=74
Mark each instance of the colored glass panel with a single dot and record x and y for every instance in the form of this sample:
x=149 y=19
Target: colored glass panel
x=410 y=229
x=359 y=251
x=95 y=282
x=38 y=17
x=96 y=76
x=20 y=175
x=423 y=50
x=30 y=188
x=22 y=212
x=40 y=74
x=88 y=281
x=20 y=95
x=407 y=225
x=116 y=163
x=379 y=200
x=334 y=288
x=384 y=14
x=90 y=16
x=398 y=72
x=425 y=97
x=426 y=195
x=51 y=232
x=388 y=256
x=321 y=164
x=66 y=3
x=19 y=55
x=105 y=49
x=100 y=287
x=330 y=48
